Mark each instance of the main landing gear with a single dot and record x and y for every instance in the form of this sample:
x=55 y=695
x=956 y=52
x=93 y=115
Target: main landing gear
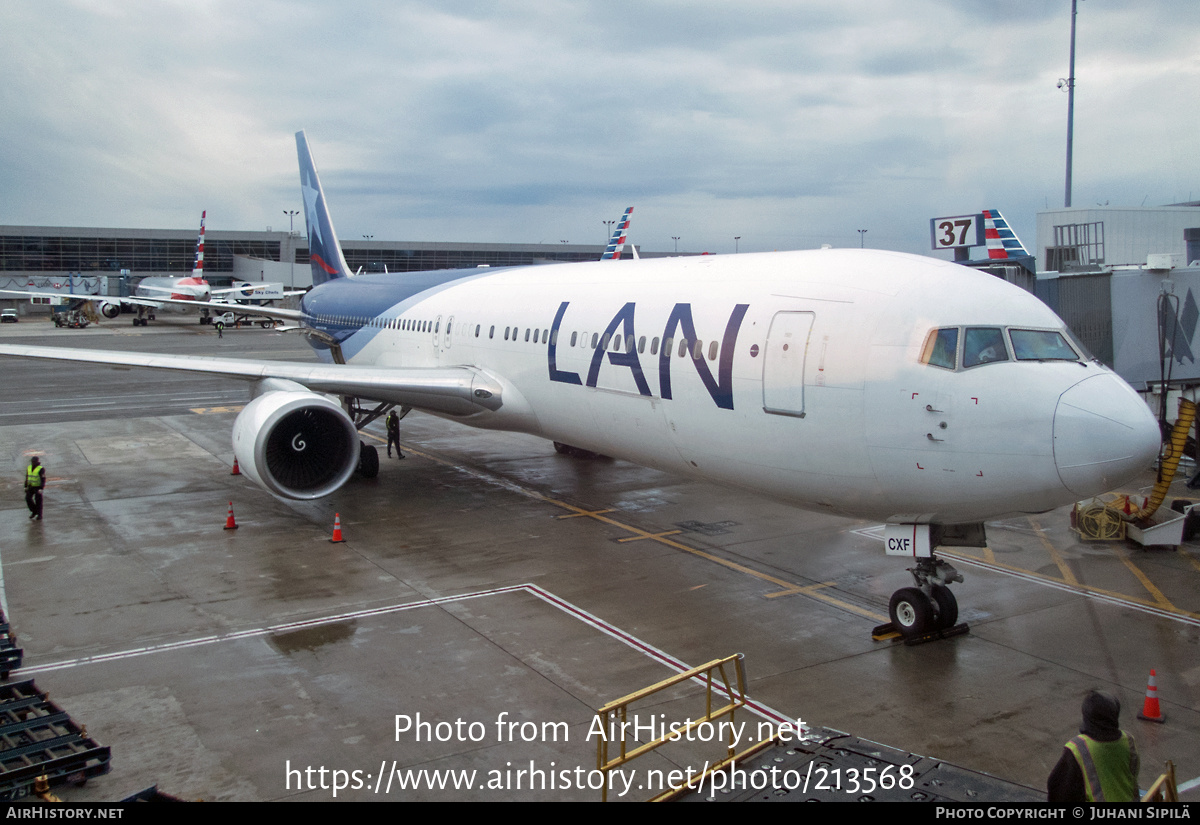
x=368 y=455
x=928 y=611
x=575 y=452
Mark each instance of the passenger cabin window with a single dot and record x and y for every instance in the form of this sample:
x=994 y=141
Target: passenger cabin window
x=983 y=345
x=1041 y=345
x=941 y=348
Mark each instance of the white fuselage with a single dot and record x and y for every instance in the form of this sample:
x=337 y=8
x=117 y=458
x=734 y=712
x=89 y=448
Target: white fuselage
x=189 y=288
x=800 y=377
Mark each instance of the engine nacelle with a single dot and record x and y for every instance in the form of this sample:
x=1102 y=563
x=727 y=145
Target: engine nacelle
x=296 y=444
x=110 y=310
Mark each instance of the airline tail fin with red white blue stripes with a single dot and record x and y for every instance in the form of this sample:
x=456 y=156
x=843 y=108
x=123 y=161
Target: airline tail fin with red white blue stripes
x=617 y=242
x=1002 y=242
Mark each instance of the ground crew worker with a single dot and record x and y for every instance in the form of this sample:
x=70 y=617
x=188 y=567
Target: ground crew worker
x=1099 y=765
x=220 y=325
x=392 y=422
x=35 y=482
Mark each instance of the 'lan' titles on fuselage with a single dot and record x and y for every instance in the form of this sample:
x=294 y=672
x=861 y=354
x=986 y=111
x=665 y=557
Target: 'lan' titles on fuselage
x=720 y=389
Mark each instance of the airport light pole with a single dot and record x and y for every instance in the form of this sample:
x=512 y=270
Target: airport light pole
x=675 y=238
x=292 y=213
x=862 y=234
x=736 y=238
x=1070 y=84
x=608 y=225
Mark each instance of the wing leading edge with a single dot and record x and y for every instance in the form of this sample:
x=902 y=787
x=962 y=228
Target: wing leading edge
x=455 y=391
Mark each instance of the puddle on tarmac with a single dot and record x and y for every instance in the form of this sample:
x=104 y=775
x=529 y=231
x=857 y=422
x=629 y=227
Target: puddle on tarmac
x=311 y=638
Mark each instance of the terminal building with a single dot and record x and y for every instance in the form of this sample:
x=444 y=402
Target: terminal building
x=1127 y=283
x=110 y=262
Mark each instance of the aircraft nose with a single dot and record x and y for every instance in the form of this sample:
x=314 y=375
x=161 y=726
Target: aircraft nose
x=1104 y=434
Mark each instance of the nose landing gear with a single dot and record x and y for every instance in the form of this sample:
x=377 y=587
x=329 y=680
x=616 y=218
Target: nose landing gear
x=928 y=611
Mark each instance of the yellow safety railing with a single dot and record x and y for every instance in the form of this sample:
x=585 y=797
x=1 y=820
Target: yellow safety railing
x=1164 y=788
x=613 y=719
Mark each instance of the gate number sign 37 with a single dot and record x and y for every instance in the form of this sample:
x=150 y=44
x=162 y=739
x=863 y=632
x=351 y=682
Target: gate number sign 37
x=956 y=231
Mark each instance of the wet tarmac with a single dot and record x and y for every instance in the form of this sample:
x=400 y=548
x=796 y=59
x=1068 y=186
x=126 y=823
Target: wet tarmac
x=491 y=594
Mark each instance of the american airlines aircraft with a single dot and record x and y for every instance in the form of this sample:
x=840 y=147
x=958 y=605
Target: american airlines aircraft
x=862 y=383
x=617 y=242
x=174 y=293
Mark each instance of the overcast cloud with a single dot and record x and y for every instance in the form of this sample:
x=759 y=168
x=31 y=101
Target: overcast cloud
x=790 y=124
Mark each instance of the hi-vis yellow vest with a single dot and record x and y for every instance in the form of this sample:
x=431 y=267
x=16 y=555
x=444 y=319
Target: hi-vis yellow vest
x=1106 y=768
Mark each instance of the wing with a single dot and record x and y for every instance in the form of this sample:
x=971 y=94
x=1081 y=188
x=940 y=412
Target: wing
x=456 y=391
x=220 y=306
x=225 y=306
x=79 y=296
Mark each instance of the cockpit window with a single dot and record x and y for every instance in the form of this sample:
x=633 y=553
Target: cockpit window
x=941 y=348
x=983 y=345
x=1041 y=345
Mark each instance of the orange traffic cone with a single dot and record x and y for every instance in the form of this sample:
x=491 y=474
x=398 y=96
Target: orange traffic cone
x=230 y=524
x=237 y=471
x=337 y=529
x=1150 y=710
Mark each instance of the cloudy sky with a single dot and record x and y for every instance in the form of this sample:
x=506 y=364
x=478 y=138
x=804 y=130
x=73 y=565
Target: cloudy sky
x=790 y=123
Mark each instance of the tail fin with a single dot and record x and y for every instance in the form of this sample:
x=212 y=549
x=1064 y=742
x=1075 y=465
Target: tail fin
x=617 y=242
x=324 y=251
x=198 y=264
x=1002 y=242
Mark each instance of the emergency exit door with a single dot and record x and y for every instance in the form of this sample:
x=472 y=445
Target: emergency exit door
x=783 y=364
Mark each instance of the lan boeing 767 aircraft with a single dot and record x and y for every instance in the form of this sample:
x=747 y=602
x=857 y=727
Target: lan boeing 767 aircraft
x=863 y=383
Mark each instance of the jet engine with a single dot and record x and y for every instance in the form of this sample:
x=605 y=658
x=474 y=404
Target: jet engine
x=110 y=310
x=296 y=443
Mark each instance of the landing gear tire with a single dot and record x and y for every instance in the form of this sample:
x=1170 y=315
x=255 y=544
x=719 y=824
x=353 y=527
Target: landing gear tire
x=368 y=461
x=575 y=452
x=947 y=606
x=911 y=612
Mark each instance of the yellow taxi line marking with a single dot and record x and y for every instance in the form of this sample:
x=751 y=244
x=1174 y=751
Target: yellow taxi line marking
x=1190 y=557
x=209 y=410
x=1155 y=593
x=787 y=588
x=584 y=514
x=1059 y=562
x=1082 y=588
x=649 y=536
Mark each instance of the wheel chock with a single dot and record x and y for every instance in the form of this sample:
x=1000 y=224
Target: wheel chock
x=888 y=632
